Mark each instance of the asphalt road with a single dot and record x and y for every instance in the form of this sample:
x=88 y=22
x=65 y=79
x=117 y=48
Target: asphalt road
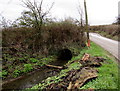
x=108 y=44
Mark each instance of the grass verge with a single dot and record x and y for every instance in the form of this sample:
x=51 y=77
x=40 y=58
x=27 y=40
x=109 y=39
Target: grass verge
x=108 y=72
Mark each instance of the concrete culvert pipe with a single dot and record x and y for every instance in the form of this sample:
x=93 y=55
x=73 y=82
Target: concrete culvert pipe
x=64 y=54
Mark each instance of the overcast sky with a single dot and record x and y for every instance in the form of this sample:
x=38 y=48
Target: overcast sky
x=99 y=11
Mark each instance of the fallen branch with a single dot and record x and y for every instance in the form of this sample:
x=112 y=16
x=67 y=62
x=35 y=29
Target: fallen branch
x=53 y=66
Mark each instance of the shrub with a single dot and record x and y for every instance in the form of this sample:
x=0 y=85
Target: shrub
x=33 y=60
x=27 y=67
x=3 y=74
x=16 y=73
x=54 y=36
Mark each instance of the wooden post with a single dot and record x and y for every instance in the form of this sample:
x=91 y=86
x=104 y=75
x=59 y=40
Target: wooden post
x=86 y=26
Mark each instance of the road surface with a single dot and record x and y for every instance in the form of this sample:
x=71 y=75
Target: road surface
x=108 y=44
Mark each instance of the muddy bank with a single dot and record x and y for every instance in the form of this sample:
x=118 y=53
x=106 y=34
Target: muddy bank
x=40 y=73
x=30 y=79
x=33 y=78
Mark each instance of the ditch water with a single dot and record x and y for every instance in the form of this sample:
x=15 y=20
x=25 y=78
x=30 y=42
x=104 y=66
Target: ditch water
x=33 y=78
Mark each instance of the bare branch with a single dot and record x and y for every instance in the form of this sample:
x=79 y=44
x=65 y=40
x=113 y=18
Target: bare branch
x=39 y=14
x=48 y=11
x=81 y=13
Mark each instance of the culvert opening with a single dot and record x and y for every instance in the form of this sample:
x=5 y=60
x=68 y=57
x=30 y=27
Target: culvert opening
x=64 y=54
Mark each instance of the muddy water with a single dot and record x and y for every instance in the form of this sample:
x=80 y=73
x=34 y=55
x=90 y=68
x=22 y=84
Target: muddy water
x=33 y=78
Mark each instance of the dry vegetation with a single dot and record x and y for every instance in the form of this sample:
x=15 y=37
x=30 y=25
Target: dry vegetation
x=54 y=36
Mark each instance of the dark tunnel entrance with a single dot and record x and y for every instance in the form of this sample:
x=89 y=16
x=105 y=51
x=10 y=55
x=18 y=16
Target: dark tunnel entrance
x=64 y=54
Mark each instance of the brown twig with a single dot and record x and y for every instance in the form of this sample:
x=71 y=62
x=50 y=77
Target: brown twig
x=53 y=66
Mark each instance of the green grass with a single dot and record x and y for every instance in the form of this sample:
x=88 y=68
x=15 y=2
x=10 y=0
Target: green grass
x=108 y=72
x=27 y=67
x=107 y=78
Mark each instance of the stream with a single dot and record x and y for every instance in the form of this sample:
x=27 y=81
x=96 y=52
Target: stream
x=33 y=78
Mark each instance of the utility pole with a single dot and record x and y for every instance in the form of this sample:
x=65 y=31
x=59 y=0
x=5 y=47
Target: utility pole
x=86 y=26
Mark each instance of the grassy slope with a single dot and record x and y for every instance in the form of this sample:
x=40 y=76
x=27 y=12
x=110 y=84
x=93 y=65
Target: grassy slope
x=108 y=72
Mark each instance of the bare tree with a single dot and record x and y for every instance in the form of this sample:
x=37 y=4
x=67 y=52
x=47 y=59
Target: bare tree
x=36 y=12
x=4 y=23
x=80 y=11
x=118 y=20
x=35 y=17
x=81 y=14
x=81 y=20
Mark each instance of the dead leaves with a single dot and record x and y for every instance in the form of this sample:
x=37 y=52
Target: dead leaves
x=85 y=74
